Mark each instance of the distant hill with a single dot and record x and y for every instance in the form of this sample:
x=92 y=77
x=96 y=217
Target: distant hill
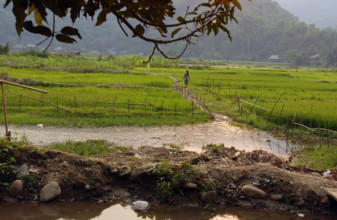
x=264 y=29
x=323 y=13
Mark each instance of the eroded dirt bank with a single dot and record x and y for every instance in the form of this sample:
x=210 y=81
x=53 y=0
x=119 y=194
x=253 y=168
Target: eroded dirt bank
x=221 y=173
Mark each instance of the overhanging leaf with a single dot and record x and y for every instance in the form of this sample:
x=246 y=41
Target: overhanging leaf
x=65 y=39
x=38 y=18
x=175 y=32
x=70 y=31
x=28 y=25
x=139 y=30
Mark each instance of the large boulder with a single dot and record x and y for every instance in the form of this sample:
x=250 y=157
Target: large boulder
x=50 y=192
x=16 y=188
x=253 y=192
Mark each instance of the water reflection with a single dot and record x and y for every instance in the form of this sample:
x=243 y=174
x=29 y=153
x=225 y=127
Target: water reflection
x=94 y=211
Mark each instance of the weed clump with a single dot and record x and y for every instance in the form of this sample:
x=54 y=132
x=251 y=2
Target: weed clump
x=170 y=180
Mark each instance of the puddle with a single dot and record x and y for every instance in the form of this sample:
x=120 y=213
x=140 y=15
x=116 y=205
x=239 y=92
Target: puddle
x=192 y=137
x=95 y=211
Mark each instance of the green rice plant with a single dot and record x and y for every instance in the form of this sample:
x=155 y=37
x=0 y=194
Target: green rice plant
x=317 y=158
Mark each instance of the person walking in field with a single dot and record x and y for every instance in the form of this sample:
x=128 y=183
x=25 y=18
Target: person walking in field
x=186 y=78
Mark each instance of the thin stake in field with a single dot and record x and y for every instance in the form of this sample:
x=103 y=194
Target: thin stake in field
x=8 y=133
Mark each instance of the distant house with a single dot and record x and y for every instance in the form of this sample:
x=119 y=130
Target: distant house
x=58 y=48
x=314 y=57
x=74 y=53
x=274 y=58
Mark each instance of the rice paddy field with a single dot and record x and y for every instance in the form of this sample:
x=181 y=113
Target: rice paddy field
x=308 y=96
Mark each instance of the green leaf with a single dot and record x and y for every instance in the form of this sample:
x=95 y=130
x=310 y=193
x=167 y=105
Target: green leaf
x=181 y=19
x=216 y=29
x=237 y=4
x=19 y=8
x=175 y=32
x=65 y=39
x=70 y=31
x=101 y=18
x=43 y=30
x=139 y=30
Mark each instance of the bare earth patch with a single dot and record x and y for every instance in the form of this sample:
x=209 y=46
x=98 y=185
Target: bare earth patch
x=124 y=174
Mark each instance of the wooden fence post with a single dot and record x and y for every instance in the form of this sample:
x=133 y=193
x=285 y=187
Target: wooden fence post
x=275 y=105
x=95 y=104
x=311 y=116
x=128 y=106
x=293 y=125
x=192 y=108
x=327 y=132
x=75 y=103
x=161 y=108
x=251 y=111
x=319 y=135
x=41 y=102
x=278 y=119
x=145 y=106
x=20 y=103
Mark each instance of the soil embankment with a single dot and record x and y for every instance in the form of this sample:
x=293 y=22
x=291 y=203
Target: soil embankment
x=221 y=177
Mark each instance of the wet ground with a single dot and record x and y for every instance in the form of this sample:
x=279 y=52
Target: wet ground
x=191 y=137
x=95 y=211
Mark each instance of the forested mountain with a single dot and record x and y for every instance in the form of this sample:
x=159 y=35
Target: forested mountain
x=264 y=29
x=322 y=12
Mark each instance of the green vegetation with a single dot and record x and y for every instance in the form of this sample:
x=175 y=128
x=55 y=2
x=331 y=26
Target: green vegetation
x=169 y=181
x=308 y=93
x=89 y=148
x=7 y=164
x=214 y=147
x=80 y=64
x=317 y=158
x=97 y=99
x=4 y=49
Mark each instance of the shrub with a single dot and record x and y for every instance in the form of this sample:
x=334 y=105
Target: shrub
x=4 y=49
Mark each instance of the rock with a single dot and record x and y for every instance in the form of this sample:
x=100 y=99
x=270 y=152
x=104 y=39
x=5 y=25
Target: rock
x=236 y=155
x=140 y=206
x=332 y=192
x=33 y=170
x=8 y=199
x=50 y=192
x=113 y=170
x=22 y=171
x=136 y=173
x=124 y=171
x=15 y=188
x=208 y=196
x=276 y=197
x=253 y=192
x=190 y=186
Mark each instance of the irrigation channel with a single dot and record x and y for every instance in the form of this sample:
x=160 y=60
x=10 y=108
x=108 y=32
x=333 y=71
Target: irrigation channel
x=95 y=211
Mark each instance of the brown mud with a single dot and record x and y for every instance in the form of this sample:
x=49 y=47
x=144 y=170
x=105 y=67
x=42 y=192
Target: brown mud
x=123 y=175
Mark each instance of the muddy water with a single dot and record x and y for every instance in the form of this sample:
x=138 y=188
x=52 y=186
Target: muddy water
x=192 y=137
x=94 y=211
